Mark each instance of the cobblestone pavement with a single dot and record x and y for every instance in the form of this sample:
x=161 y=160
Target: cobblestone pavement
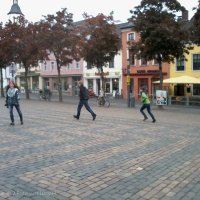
x=115 y=157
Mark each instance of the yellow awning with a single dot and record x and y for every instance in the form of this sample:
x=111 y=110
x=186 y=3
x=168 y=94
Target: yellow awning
x=181 y=79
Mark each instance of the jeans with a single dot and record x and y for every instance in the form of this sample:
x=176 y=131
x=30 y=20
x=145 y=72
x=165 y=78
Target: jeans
x=148 y=107
x=17 y=106
x=85 y=103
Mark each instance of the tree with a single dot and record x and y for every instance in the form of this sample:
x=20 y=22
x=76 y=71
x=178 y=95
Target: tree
x=195 y=26
x=58 y=35
x=100 y=42
x=23 y=45
x=163 y=36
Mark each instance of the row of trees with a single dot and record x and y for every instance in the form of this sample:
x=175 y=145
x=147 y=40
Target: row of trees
x=96 y=39
x=163 y=36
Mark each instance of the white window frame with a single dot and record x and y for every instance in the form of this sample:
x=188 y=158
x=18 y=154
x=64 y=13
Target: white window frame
x=131 y=38
x=52 y=65
x=193 y=62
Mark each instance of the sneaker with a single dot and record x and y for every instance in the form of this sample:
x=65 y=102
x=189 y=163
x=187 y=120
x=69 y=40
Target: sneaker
x=94 y=117
x=22 y=122
x=12 y=123
x=75 y=116
x=153 y=121
x=145 y=118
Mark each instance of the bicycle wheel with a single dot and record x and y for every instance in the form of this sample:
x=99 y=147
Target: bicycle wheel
x=98 y=102
x=107 y=103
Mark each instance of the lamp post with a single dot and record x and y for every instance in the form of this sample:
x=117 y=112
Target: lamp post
x=15 y=9
x=128 y=81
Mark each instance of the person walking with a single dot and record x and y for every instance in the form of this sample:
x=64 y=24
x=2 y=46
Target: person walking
x=146 y=105
x=83 y=96
x=12 y=100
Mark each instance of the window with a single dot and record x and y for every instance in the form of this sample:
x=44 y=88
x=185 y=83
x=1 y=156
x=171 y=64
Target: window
x=180 y=64
x=52 y=66
x=77 y=65
x=89 y=66
x=111 y=63
x=155 y=62
x=131 y=36
x=131 y=58
x=196 y=89
x=45 y=66
x=143 y=61
x=196 y=61
x=67 y=66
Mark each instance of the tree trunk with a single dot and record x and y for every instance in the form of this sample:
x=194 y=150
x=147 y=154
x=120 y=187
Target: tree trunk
x=26 y=83
x=2 y=90
x=59 y=83
x=102 y=81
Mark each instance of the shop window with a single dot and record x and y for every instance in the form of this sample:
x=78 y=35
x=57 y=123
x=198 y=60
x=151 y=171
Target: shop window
x=90 y=83
x=196 y=89
x=143 y=83
x=107 y=85
x=115 y=84
x=196 y=62
x=180 y=64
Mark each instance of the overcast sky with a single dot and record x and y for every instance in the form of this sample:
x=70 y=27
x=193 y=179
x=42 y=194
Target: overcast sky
x=35 y=9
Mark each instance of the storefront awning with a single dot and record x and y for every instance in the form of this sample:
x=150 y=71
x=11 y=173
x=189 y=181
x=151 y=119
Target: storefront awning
x=181 y=80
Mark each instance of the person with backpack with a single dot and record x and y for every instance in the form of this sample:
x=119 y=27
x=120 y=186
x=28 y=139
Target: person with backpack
x=83 y=96
x=146 y=105
x=12 y=100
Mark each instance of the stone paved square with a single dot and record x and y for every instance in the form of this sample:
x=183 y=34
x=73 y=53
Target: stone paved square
x=115 y=157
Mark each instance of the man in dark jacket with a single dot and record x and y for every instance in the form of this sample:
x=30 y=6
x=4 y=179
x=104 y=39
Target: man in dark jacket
x=83 y=96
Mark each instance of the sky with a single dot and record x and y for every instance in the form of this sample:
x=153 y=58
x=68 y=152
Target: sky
x=34 y=10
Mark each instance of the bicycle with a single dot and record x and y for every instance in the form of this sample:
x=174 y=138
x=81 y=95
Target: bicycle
x=103 y=101
x=45 y=95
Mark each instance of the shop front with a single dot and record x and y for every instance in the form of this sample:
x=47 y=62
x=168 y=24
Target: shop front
x=143 y=79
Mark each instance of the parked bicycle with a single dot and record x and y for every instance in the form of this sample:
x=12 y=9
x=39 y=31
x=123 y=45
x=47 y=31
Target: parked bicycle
x=103 y=101
x=45 y=95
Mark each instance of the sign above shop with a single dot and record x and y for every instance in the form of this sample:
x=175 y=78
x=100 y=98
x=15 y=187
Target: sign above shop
x=147 y=71
x=101 y=73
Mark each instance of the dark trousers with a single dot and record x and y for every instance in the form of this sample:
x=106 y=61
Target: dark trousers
x=18 y=110
x=148 y=107
x=85 y=103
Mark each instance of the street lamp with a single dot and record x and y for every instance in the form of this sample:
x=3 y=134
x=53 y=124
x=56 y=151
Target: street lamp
x=15 y=9
x=128 y=81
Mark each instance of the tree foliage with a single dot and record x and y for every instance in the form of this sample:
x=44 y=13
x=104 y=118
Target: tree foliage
x=163 y=36
x=22 y=45
x=58 y=35
x=100 y=40
x=195 y=27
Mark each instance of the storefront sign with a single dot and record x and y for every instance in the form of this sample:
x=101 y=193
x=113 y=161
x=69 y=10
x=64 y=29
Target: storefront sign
x=147 y=71
x=101 y=73
x=161 y=97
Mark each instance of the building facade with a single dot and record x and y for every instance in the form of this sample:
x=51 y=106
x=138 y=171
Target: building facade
x=186 y=67
x=70 y=75
x=142 y=72
x=112 y=75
